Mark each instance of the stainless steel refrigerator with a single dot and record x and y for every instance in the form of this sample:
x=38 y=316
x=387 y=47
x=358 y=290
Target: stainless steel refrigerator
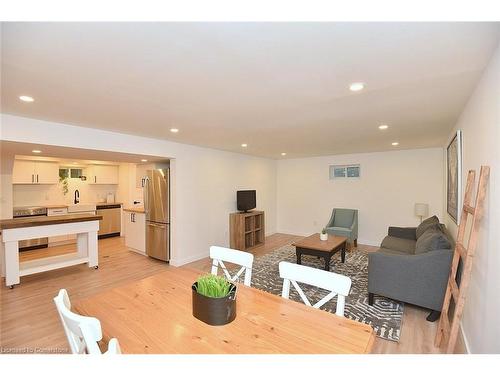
x=157 y=209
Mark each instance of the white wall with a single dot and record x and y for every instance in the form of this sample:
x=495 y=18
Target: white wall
x=205 y=180
x=480 y=124
x=385 y=194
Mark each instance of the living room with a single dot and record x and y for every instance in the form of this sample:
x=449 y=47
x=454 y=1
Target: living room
x=309 y=132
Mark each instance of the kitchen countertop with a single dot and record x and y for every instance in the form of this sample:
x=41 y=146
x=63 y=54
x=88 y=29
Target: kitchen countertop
x=36 y=221
x=56 y=206
x=67 y=205
x=138 y=209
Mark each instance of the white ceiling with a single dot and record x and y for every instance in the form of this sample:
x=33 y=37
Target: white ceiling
x=280 y=87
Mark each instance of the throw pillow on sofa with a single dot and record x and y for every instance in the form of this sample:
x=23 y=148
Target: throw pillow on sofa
x=432 y=239
x=424 y=225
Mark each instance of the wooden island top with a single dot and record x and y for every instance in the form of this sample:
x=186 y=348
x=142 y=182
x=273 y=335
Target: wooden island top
x=36 y=221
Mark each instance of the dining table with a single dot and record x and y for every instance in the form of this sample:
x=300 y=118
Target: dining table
x=154 y=316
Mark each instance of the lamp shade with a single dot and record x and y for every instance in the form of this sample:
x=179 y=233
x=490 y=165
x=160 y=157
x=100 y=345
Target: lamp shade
x=421 y=209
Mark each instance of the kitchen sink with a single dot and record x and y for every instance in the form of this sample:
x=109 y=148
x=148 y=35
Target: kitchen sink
x=81 y=207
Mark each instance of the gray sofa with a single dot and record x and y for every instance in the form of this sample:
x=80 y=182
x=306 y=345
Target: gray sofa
x=413 y=265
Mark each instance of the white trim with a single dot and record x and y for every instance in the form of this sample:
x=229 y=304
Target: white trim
x=182 y=261
x=464 y=337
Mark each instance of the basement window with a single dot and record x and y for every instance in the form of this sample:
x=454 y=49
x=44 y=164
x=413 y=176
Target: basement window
x=344 y=171
x=70 y=172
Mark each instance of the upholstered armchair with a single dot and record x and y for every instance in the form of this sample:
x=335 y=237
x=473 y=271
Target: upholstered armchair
x=344 y=222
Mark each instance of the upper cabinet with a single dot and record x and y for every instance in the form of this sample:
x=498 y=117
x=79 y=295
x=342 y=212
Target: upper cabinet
x=35 y=172
x=140 y=174
x=102 y=174
x=142 y=171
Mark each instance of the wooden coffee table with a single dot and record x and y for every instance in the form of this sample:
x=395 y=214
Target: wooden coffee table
x=312 y=245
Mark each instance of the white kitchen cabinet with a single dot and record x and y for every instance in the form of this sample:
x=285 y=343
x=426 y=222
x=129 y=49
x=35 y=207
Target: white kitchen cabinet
x=102 y=174
x=35 y=172
x=141 y=171
x=135 y=231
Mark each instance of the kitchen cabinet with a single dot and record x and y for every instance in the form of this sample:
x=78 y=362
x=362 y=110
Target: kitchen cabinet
x=141 y=172
x=102 y=174
x=35 y=172
x=135 y=231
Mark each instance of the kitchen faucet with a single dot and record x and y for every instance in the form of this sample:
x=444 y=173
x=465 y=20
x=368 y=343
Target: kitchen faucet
x=77 y=196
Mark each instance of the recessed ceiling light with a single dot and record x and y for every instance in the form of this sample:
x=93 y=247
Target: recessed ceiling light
x=244 y=145
x=75 y=163
x=144 y=160
x=383 y=127
x=27 y=99
x=36 y=151
x=283 y=154
x=357 y=86
x=174 y=130
x=395 y=143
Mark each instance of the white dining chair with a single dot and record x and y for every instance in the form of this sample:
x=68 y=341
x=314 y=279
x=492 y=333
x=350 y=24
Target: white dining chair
x=337 y=284
x=219 y=255
x=82 y=332
x=91 y=337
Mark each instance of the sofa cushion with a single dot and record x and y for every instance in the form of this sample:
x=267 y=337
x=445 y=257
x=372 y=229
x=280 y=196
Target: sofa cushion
x=426 y=224
x=399 y=244
x=432 y=239
x=392 y=252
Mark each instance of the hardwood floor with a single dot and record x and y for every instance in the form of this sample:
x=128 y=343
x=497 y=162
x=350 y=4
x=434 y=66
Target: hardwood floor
x=29 y=322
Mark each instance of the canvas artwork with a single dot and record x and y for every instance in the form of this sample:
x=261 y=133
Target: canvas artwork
x=454 y=183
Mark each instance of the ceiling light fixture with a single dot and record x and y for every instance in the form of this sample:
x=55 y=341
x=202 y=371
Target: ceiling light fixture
x=144 y=160
x=283 y=154
x=395 y=143
x=383 y=127
x=36 y=151
x=357 y=86
x=174 y=130
x=27 y=99
x=244 y=145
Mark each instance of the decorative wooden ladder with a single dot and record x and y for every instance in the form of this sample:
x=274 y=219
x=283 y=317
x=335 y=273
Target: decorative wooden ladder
x=446 y=329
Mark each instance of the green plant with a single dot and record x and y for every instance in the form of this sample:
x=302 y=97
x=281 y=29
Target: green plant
x=64 y=182
x=323 y=231
x=213 y=286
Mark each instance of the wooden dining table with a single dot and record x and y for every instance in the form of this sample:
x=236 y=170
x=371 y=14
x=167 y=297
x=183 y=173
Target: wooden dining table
x=154 y=315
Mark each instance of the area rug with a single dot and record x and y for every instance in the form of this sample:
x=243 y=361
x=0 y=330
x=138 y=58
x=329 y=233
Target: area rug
x=385 y=316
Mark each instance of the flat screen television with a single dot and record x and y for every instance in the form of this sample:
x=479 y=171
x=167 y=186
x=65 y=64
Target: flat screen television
x=245 y=200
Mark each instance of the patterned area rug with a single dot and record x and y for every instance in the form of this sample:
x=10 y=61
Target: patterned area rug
x=385 y=316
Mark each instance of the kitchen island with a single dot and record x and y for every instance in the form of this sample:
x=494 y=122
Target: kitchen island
x=85 y=226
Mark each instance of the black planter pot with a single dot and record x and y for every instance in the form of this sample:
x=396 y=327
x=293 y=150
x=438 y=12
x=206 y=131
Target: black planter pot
x=214 y=311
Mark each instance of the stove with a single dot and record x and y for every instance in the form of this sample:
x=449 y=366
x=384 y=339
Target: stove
x=31 y=211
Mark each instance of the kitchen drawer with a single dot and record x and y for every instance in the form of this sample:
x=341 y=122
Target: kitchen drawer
x=57 y=211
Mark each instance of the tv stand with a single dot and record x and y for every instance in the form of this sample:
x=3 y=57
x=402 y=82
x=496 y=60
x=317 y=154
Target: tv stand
x=246 y=230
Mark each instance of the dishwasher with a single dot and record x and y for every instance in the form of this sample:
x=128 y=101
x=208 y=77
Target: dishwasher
x=110 y=225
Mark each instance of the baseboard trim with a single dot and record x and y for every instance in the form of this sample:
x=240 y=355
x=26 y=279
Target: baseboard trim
x=181 y=262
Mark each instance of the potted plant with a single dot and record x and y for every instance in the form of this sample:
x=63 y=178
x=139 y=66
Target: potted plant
x=214 y=300
x=323 y=236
